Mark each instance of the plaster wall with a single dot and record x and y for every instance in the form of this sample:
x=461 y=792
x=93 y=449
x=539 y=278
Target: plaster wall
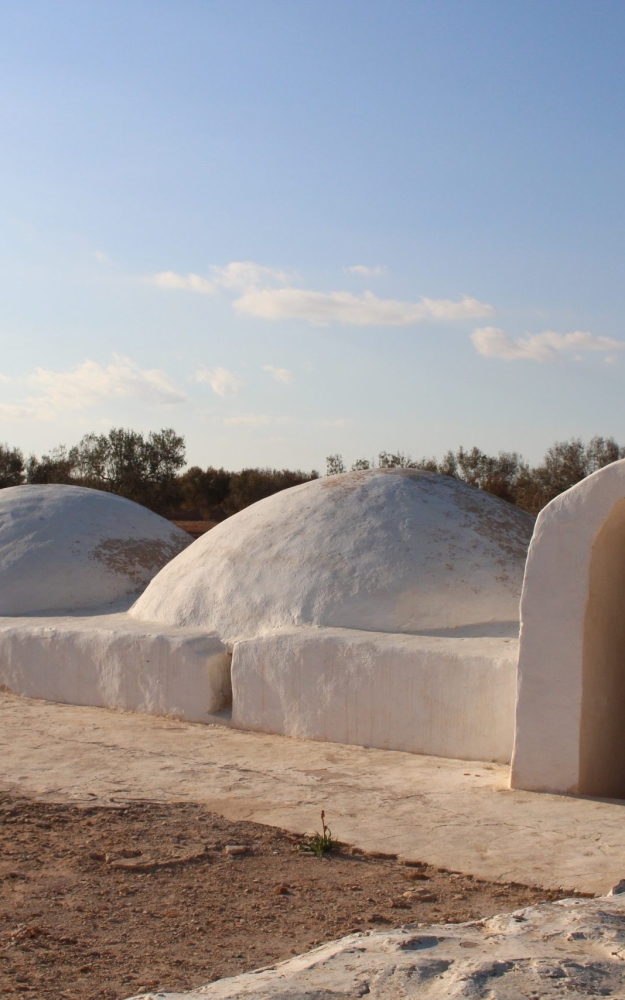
x=421 y=694
x=113 y=661
x=570 y=717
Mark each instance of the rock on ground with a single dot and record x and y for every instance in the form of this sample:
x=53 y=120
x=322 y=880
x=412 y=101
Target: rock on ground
x=573 y=948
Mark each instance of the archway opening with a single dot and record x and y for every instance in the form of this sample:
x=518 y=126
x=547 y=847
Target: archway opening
x=602 y=729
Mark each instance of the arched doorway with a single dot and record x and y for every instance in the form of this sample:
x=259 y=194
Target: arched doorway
x=570 y=709
x=602 y=725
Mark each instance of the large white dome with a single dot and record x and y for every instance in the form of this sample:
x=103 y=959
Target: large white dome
x=69 y=548
x=389 y=550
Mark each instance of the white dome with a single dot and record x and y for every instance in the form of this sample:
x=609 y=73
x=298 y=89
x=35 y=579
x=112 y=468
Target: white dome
x=69 y=548
x=389 y=550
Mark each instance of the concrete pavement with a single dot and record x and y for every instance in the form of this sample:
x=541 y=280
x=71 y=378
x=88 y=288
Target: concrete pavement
x=453 y=814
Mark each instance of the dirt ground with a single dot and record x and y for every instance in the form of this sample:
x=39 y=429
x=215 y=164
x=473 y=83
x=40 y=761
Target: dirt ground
x=195 y=528
x=102 y=903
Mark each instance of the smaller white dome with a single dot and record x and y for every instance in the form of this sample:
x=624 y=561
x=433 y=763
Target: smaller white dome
x=66 y=548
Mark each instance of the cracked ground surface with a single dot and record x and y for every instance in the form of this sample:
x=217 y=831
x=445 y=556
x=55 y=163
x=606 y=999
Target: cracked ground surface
x=102 y=902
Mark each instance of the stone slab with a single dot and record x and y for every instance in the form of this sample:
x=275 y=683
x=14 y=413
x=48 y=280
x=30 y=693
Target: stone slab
x=452 y=814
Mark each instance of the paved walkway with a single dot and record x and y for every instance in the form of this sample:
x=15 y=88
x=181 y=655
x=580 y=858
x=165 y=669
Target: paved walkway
x=453 y=814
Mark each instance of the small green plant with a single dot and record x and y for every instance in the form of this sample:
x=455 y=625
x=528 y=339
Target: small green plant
x=319 y=843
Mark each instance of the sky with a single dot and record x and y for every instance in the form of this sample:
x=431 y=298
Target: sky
x=294 y=228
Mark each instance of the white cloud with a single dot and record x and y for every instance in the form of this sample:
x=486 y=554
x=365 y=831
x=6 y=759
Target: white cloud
x=365 y=271
x=280 y=374
x=184 y=282
x=268 y=293
x=237 y=275
x=249 y=420
x=101 y=257
x=321 y=308
x=547 y=346
x=12 y=411
x=339 y=422
x=246 y=274
x=221 y=380
x=90 y=383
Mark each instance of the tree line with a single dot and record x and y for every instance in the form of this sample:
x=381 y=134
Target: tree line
x=148 y=470
x=507 y=474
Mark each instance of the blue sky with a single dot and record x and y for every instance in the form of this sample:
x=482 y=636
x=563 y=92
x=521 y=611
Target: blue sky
x=292 y=228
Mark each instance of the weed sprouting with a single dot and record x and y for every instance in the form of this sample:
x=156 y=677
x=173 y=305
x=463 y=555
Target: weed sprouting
x=319 y=843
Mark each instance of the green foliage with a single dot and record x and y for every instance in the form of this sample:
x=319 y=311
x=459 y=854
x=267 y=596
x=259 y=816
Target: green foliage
x=319 y=843
x=507 y=475
x=11 y=466
x=205 y=490
x=124 y=462
x=335 y=465
x=250 y=485
x=147 y=469
x=57 y=467
x=144 y=469
x=388 y=460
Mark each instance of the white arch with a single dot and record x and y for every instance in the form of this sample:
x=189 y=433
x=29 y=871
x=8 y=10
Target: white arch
x=570 y=716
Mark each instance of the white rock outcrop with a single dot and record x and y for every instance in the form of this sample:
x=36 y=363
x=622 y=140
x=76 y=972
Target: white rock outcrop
x=574 y=948
x=387 y=550
x=66 y=548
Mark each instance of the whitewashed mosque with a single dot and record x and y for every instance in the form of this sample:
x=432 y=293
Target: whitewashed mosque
x=376 y=608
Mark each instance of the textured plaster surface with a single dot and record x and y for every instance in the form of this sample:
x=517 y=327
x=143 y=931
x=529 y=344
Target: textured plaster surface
x=66 y=548
x=553 y=614
x=424 y=694
x=115 y=661
x=573 y=948
x=452 y=814
x=385 y=550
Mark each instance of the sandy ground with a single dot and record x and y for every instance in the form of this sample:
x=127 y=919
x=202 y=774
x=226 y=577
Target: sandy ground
x=451 y=814
x=195 y=528
x=99 y=903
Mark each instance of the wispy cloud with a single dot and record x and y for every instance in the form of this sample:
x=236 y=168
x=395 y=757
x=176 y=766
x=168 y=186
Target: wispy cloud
x=492 y=342
x=247 y=274
x=269 y=293
x=321 y=308
x=280 y=374
x=90 y=383
x=339 y=422
x=221 y=380
x=251 y=420
x=184 y=282
x=237 y=275
x=364 y=271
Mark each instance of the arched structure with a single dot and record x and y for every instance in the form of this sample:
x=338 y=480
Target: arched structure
x=570 y=718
